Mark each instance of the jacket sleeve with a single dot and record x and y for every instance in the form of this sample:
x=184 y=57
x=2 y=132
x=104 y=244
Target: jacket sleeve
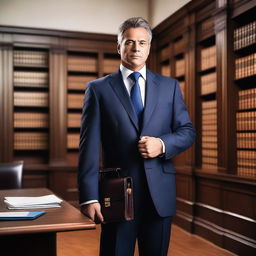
x=89 y=149
x=182 y=133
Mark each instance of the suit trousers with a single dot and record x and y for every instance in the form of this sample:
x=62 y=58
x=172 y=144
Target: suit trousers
x=151 y=230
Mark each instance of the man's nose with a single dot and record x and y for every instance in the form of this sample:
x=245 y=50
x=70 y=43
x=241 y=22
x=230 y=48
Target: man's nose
x=136 y=47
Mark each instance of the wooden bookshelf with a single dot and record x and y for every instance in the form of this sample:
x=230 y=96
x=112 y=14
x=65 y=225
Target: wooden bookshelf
x=207 y=85
x=31 y=103
x=82 y=67
x=216 y=42
x=45 y=74
x=244 y=47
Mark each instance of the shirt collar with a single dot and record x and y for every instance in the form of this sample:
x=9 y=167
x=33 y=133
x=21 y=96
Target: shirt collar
x=126 y=72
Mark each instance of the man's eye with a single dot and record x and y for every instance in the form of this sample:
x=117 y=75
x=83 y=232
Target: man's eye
x=143 y=43
x=129 y=42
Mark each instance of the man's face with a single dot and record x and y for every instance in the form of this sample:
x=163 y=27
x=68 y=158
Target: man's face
x=134 y=48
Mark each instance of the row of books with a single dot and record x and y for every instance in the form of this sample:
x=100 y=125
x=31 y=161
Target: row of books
x=73 y=140
x=75 y=101
x=209 y=139
x=31 y=120
x=210 y=105
x=31 y=141
x=74 y=120
x=209 y=153
x=30 y=58
x=246 y=163
x=79 y=82
x=209 y=134
x=246 y=121
x=245 y=66
x=246 y=171
x=180 y=67
x=82 y=63
x=28 y=78
x=208 y=83
x=208 y=57
x=209 y=160
x=166 y=70
x=110 y=65
x=246 y=140
x=247 y=99
x=31 y=99
x=245 y=35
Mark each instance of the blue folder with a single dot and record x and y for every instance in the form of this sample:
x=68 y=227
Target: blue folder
x=21 y=215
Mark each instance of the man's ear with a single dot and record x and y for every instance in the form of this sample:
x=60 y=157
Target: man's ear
x=118 y=48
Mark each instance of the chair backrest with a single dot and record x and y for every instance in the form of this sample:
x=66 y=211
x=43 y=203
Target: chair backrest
x=11 y=175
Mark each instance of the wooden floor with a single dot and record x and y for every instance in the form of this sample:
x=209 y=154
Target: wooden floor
x=85 y=243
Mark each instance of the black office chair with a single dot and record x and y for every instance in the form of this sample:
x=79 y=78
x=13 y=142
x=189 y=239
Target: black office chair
x=11 y=175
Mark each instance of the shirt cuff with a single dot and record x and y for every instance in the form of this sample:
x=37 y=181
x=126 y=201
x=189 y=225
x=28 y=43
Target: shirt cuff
x=89 y=202
x=163 y=146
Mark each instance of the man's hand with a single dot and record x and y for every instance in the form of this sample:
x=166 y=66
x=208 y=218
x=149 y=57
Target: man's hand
x=150 y=147
x=93 y=212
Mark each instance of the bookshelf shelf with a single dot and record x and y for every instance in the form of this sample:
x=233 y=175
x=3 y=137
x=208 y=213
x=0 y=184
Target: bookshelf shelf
x=246 y=82
x=180 y=78
x=207 y=70
x=29 y=87
x=245 y=50
x=82 y=73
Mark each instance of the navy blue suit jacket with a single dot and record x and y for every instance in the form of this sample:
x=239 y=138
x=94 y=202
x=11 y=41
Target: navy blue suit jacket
x=110 y=123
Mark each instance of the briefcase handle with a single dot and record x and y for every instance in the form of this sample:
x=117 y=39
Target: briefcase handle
x=110 y=172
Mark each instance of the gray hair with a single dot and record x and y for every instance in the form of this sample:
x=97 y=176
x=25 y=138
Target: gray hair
x=136 y=22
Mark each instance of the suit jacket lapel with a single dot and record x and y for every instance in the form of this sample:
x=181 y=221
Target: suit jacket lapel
x=151 y=98
x=117 y=84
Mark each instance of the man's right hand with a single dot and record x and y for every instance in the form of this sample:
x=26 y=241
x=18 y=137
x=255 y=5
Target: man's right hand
x=93 y=212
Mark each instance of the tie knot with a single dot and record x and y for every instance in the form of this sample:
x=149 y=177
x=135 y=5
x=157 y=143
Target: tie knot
x=135 y=76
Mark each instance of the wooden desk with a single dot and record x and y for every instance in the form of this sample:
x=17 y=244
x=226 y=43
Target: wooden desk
x=38 y=237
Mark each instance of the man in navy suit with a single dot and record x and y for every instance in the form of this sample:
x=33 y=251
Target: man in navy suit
x=139 y=120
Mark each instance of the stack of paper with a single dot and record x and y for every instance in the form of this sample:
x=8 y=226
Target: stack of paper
x=49 y=201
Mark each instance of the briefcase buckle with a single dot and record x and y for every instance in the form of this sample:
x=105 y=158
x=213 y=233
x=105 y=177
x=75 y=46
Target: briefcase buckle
x=107 y=202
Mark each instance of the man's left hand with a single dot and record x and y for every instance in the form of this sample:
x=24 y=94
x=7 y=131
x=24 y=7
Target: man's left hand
x=150 y=147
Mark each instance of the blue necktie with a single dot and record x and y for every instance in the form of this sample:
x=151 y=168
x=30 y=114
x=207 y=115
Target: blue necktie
x=135 y=95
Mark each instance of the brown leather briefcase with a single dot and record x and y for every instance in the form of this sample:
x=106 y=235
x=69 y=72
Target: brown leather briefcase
x=116 y=196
